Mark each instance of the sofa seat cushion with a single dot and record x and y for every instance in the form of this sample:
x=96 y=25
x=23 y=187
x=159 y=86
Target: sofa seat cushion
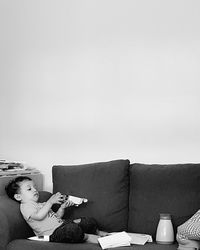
x=33 y=245
x=22 y=244
x=104 y=184
x=155 y=189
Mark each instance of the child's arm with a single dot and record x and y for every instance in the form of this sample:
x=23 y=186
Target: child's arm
x=61 y=210
x=42 y=213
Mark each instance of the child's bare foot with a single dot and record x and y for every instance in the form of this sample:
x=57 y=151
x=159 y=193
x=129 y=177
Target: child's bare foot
x=91 y=238
x=102 y=233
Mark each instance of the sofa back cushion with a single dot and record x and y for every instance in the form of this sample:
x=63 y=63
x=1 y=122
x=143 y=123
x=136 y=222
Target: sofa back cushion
x=12 y=224
x=104 y=184
x=156 y=189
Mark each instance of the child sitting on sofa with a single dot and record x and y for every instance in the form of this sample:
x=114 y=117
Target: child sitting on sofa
x=188 y=234
x=44 y=221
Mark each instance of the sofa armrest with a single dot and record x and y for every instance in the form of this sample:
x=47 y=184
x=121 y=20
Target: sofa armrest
x=13 y=226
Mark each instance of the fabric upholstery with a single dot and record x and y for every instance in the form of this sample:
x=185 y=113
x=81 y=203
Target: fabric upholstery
x=12 y=224
x=104 y=184
x=33 y=245
x=156 y=189
x=38 y=245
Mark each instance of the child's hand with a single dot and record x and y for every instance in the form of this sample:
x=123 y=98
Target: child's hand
x=67 y=203
x=56 y=198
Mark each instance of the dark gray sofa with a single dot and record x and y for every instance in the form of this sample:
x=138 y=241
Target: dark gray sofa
x=122 y=196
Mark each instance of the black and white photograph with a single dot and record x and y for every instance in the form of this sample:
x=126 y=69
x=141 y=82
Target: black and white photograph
x=100 y=124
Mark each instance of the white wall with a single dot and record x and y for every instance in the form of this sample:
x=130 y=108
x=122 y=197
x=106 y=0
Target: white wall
x=90 y=80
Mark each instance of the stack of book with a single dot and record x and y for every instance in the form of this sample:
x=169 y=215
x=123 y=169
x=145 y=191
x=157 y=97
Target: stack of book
x=8 y=168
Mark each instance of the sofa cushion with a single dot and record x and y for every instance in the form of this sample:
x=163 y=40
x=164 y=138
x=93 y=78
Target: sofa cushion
x=12 y=223
x=104 y=184
x=22 y=244
x=39 y=245
x=155 y=189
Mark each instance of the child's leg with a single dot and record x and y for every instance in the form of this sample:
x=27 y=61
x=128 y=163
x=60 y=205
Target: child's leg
x=68 y=233
x=89 y=226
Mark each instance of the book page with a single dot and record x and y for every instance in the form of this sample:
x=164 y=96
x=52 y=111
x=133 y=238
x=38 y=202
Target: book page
x=115 y=240
x=140 y=239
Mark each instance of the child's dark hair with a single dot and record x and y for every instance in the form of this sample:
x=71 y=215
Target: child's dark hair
x=13 y=186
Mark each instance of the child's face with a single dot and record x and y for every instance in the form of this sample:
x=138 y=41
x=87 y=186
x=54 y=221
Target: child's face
x=27 y=192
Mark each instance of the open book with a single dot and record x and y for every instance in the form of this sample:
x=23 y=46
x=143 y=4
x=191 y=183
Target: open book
x=140 y=239
x=123 y=239
x=115 y=240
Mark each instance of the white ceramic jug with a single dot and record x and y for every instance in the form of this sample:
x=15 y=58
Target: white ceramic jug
x=165 y=231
